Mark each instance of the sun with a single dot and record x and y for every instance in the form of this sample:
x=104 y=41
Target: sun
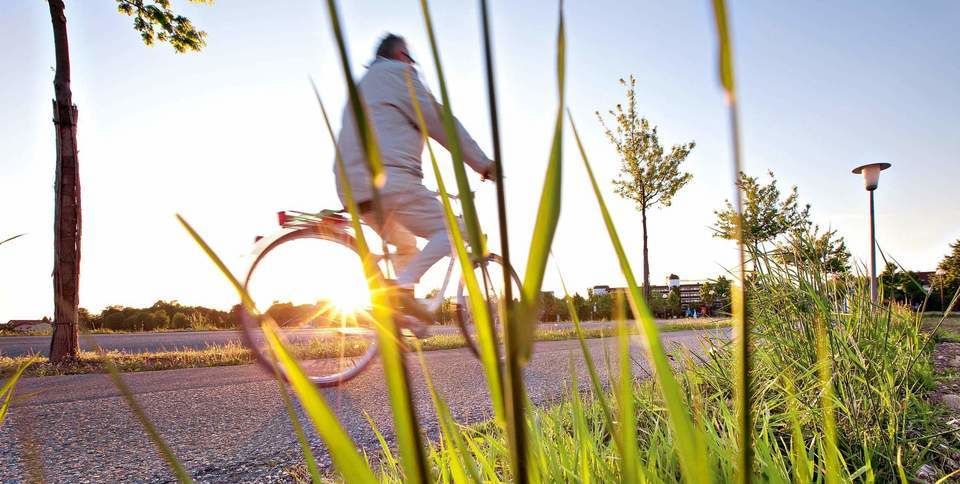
x=350 y=299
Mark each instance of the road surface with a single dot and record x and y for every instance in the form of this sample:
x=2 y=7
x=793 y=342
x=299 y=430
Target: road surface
x=176 y=340
x=228 y=424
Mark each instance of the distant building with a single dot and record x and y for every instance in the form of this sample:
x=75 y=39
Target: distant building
x=29 y=325
x=601 y=290
x=689 y=291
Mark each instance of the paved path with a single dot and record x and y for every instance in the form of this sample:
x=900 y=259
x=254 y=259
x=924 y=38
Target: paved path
x=175 y=340
x=227 y=424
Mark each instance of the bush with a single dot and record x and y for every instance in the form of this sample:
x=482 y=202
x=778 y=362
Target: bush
x=180 y=321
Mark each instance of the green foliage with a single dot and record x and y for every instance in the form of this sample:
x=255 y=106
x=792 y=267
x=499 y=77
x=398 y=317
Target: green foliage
x=901 y=286
x=715 y=294
x=9 y=385
x=766 y=215
x=649 y=175
x=946 y=282
x=161 y=315
x=156 y=22
x=806 y=245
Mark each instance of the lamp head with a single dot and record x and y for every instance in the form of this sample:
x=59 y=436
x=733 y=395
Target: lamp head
x=871 y=174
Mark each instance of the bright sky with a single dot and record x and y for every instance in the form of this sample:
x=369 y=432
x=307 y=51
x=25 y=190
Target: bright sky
x=231 y=135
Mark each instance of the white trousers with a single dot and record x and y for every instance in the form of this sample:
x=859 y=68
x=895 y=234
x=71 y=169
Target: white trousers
x=409 y=214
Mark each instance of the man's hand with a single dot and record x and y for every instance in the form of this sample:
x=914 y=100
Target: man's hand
x=490 y=173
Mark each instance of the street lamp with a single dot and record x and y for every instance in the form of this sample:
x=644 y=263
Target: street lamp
x=871 y=177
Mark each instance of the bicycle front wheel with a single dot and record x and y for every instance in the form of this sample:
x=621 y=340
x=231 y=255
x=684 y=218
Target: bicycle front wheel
x=490 y=279
x=311 y=283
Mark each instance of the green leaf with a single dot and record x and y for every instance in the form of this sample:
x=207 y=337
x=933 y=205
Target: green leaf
x=724 y=54
x=475 y=296
x=367 y=136
x=347 y=459
x=689 y=444
x=6 y=392
x=548 y=215
x=627 y=428
x=152 y=433
x=341 y=447
x=467 y=205
x=308 y=457
x=407 y=429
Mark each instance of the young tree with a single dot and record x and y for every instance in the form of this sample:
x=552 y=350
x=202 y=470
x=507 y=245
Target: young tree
x=765 y=214
x=649 y=174
x=155 y=21
x=947 y=280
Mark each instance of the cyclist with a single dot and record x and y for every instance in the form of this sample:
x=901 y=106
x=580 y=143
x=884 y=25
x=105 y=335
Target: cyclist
x=409 y=209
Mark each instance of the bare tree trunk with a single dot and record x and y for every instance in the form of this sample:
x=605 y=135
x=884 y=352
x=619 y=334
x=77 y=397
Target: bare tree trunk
x=66 y=225
x=646 y=259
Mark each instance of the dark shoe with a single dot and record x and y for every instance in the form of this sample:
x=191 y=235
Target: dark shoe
x=406 y=304
x=418 y=328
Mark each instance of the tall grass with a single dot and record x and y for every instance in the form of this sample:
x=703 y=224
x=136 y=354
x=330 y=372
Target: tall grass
x=818 y=384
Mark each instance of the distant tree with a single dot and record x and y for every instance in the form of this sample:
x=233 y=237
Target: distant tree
x=825 y=251
x=580 y=306
x=715 y=294
x=649 y=174
x=155 y=21
x=673 y=302
x=901 y=286
x=766 y=215
x=180 y=321
x=947 y=280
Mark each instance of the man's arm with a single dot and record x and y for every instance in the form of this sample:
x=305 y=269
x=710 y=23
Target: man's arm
x=432 y=116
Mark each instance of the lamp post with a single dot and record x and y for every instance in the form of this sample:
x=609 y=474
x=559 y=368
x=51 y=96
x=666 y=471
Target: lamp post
x=871 y=177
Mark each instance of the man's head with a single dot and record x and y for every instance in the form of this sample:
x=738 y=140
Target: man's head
x=394 y=47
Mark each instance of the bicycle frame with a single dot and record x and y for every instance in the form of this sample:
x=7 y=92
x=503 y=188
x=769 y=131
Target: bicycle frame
x=333 y=220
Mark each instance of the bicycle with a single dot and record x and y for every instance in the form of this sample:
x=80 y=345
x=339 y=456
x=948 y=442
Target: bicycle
x=343 y=337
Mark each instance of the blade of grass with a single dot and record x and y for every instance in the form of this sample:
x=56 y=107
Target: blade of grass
x=741 y=327
x=548 y=213
x=798 y=449
x=825 y=373
x=690 y=448
x=158 y=442
x=597 y=387
x=478 y=306
x=467 y=205
x=367 y=136
x=308 y=456
x=448 y=428
x=409 y=440
x=627 y=430
x=8 y=239
x=342 y=449
x=6 y=392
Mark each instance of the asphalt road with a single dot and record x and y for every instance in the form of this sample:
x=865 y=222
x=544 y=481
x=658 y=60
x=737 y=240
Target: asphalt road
x=173 y=340
x=228 y=424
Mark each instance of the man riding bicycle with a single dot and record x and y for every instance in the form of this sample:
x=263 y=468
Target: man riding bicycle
x=410 y=210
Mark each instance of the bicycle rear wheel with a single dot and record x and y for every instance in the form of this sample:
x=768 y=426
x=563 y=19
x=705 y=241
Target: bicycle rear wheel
x=490 y=278
x=311 y=283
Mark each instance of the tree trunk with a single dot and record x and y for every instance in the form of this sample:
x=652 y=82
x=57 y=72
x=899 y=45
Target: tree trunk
x=66 y=224
x=646 y=258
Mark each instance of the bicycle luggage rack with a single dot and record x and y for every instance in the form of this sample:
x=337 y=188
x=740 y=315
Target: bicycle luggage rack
x=296 y=219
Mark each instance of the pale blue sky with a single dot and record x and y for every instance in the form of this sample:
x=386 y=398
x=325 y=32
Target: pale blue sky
x=231 y=135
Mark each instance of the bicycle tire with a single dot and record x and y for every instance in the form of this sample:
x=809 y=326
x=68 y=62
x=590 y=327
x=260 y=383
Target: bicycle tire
x=464 y=319
x=250 y=324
